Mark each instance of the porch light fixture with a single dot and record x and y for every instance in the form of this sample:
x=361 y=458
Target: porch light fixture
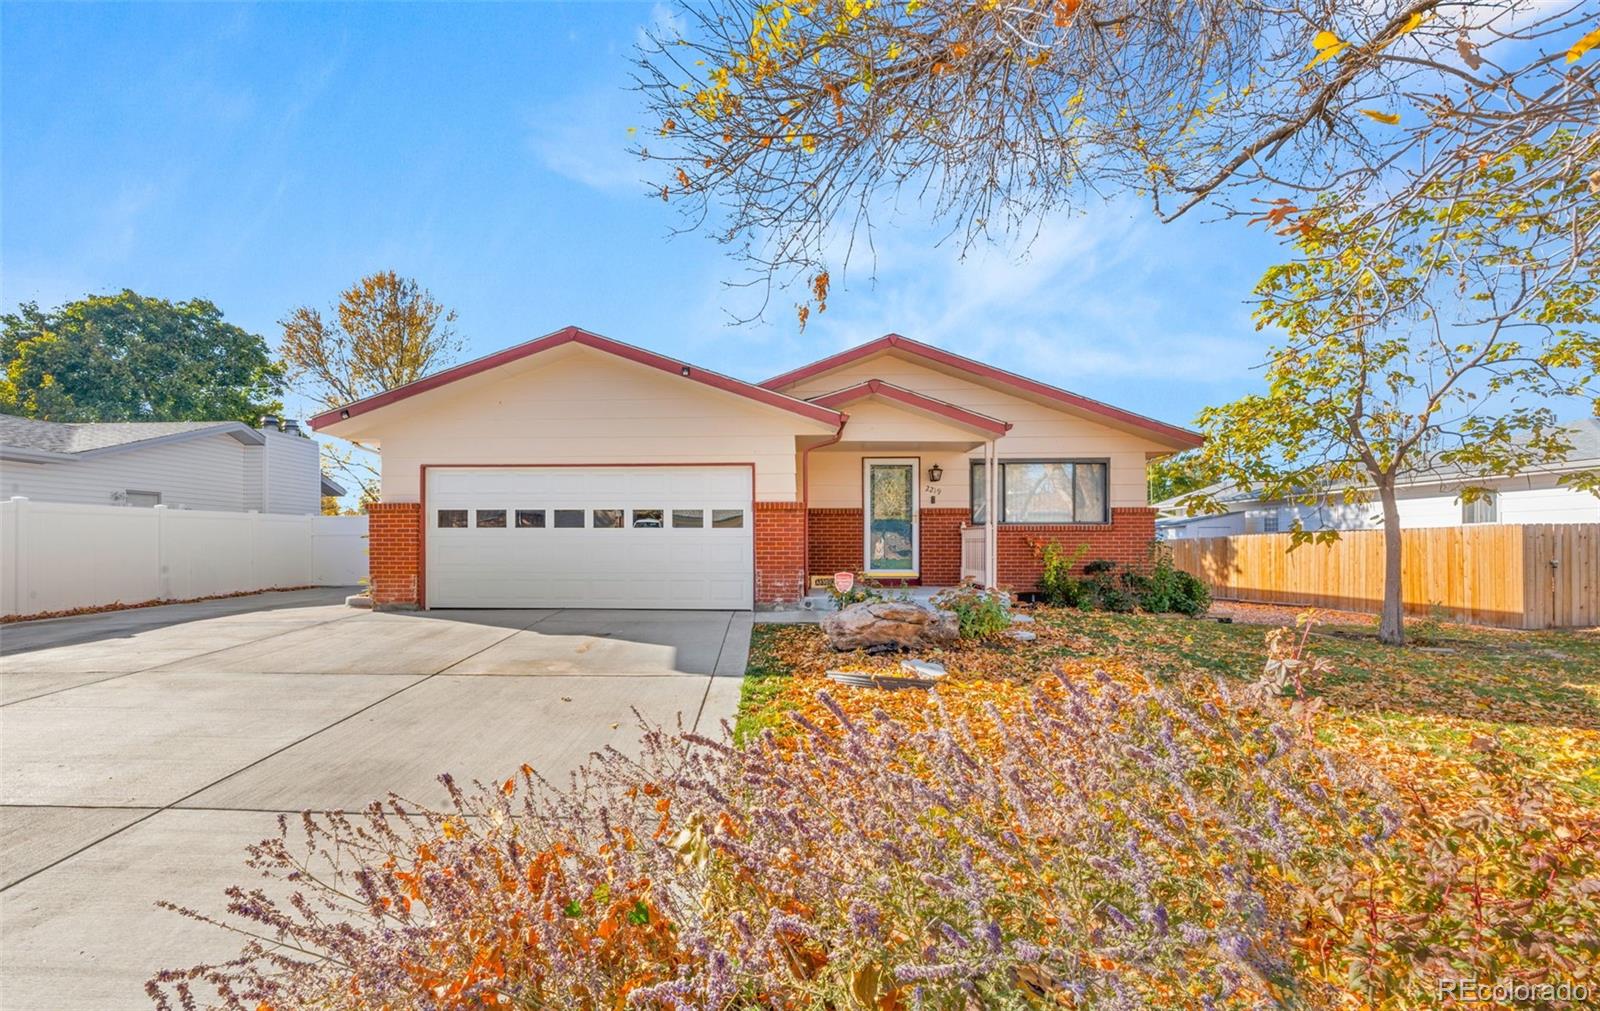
x=935 y=473
x=344 y=415
x=684 y=371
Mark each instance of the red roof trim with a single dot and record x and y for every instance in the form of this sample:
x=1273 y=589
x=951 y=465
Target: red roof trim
x=895 y=342
x=889 y=391
x=573 y=335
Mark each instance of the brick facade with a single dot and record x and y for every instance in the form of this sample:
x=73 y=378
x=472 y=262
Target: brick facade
x=394 y=552
x=940 y=537
x=782 y=554
x=1126 y=540
x=835 y=541
x=780 y=545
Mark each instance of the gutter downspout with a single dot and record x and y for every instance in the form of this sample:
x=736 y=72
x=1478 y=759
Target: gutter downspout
x=805 y=499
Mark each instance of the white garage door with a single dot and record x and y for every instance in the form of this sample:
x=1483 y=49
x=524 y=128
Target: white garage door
x=673 y=537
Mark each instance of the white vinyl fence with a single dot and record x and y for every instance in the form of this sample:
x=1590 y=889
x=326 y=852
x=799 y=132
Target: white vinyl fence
x=57 y=556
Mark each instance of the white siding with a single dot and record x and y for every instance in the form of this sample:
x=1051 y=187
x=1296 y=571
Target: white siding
x=577 y=405
x=214 y=472
x=1549 y=505
x=1525 y=499
x=206 y=472
x=1037 y=431
x=292 y=474
x=835 y=476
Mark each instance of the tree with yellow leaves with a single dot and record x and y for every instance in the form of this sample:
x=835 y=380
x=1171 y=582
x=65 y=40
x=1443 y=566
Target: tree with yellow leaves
x=785 y=127
x=385 y=331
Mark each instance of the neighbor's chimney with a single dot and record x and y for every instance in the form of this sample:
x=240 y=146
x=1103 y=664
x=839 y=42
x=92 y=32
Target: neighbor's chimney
x=292 y=426
x=269 y=422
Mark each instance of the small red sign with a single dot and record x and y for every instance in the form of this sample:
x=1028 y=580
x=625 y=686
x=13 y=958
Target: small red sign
x=842 y=581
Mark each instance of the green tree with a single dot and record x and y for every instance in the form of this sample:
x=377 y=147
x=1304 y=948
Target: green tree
x=128 y=357
x=1441 y=343
x=1178 y=474
x=385 y=331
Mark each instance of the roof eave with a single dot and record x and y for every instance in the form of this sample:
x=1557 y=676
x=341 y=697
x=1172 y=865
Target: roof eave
x=1169 y=435
x=571 y=335
x=21 y=454
x=900 y=396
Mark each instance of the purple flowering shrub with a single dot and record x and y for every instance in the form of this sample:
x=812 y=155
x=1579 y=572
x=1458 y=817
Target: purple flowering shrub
x=1093 y=845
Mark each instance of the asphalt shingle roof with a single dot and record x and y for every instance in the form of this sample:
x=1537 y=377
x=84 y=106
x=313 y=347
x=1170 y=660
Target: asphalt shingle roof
x=58 y=437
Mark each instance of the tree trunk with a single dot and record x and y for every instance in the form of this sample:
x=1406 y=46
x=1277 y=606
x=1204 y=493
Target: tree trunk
x=1392 y=624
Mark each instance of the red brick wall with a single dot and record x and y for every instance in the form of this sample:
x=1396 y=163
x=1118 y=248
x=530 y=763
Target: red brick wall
x=1127 y=540
x=835 y=544
x=941 y=546
x=394 y=538
x=835 y=541
x=780 y=536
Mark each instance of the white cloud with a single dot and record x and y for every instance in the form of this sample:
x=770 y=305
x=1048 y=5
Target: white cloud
x=585 y=139
x=1110 y=294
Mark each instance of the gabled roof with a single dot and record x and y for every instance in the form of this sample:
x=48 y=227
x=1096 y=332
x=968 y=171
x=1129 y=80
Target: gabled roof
x=910 y=398
x=573 y=335
x=1170 y=434
x=48 y=441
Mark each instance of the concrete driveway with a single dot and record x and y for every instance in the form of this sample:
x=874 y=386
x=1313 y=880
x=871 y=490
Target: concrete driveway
x=140 y=751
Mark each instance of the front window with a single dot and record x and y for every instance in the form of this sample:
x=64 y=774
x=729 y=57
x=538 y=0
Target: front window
x=1046 y=491
x=1480 y=510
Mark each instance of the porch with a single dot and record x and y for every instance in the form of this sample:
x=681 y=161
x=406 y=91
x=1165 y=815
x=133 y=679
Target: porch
x=892 y=496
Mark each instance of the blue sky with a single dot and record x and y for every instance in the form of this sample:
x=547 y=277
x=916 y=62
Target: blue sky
x=267 y=156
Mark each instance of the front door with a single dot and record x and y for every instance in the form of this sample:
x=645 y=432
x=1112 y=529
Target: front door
x=890 y=511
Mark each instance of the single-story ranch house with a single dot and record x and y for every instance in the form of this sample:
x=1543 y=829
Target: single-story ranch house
x=578 y=471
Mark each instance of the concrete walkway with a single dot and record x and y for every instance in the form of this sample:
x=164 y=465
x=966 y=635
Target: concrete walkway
x=140 y=751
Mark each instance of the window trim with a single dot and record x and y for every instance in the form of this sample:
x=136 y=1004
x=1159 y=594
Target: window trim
x=975 y=496
x=128 y=493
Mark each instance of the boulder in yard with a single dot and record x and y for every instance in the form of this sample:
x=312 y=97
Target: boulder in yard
x=901 y=624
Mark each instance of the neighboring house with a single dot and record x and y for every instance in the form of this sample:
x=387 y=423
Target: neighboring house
x=575 y=470
x=217 y=465
x=1533 y=496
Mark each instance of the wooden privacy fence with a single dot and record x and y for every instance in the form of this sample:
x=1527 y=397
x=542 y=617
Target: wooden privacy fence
x=1536 y=575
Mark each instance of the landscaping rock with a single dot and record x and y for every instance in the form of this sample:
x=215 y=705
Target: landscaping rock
x=1022 y=619
x=924 y=669
x=890 y=624
x=1021 y=635
x=867 y=679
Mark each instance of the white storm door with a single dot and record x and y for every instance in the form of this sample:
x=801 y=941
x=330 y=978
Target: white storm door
x=889 y=514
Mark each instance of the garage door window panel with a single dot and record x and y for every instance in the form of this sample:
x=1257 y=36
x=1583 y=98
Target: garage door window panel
x=452 y=519
x=647 y=519
x=495 y=518
x=608 y=519
x=727 y=519
x=529 y=518
x=569 y=519
x=690 y=519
